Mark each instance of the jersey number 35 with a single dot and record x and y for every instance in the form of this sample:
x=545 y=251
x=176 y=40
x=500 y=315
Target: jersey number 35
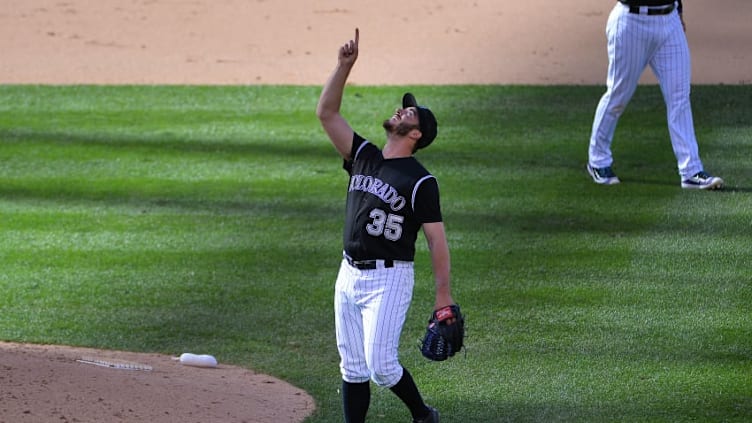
x=389 y=225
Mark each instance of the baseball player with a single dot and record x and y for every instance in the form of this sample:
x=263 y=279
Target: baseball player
x=642 y=33
x=390 y=197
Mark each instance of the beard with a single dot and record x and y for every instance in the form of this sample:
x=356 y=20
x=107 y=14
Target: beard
x=400 y=129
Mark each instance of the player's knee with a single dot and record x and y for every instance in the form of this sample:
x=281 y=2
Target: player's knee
x=386 y=374
x=385 y=380
x=354 y=371
x=618 y=109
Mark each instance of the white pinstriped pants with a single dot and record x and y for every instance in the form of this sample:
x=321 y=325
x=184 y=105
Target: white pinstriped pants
x=634 y=42
x=370 y=308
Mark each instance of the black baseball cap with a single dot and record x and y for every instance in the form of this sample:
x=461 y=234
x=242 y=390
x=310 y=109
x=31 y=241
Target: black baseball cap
x=426 y=120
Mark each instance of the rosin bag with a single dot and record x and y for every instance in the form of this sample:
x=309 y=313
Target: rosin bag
x=198 y=360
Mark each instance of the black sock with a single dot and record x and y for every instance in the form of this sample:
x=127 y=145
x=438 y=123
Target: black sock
x=355 y=398
x=408 y=392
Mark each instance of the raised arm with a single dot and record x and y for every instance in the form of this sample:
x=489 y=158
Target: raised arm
x=327 y=110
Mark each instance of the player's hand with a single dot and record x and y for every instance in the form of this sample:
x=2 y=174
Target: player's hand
x=348 y=53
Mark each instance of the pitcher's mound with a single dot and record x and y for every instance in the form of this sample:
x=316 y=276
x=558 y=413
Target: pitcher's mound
x=43 y=383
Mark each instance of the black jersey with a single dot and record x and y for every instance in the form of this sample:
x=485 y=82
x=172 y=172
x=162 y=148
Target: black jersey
x=388 y=200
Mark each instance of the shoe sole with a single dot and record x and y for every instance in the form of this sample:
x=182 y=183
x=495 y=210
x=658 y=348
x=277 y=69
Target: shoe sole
x=715 y=185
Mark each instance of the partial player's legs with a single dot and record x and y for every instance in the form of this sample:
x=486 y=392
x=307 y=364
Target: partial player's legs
x=356 y=389
x=370 y=311
x=408 y=392
x=628 y=56
x=356 y=397
x=671 y=65
x=384 y=298
x=348 y=324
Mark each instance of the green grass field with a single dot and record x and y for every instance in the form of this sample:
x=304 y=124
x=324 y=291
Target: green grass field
x=208 y=219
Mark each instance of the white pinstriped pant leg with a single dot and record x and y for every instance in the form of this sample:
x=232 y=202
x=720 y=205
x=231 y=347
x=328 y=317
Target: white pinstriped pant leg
x=672 y=66
x=370 y=311
x=628 y=56
x=349 y=328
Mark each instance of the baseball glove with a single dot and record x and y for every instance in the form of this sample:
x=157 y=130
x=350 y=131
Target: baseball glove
x=445 y=333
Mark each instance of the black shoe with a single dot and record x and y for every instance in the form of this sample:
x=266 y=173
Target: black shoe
x=433 y=417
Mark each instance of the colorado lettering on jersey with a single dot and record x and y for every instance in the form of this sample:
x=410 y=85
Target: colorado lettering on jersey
x=379 y=188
